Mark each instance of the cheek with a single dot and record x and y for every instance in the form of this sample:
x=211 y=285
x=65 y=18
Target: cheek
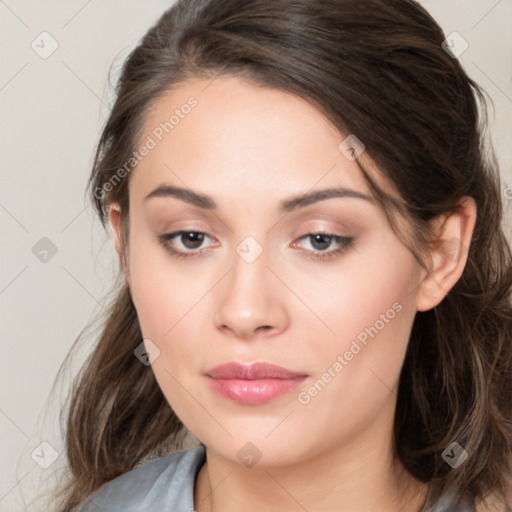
x=170 y=309
x=369 y=313
x=369 y=295
x=163 y=297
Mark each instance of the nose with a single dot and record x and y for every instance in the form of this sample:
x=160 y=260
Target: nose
x=249 y=302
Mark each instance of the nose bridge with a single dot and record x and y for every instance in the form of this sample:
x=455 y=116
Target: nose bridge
x=249 y=300
x=248 y=286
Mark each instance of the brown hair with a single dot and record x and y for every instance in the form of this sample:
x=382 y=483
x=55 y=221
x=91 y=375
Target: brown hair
x=376 y=69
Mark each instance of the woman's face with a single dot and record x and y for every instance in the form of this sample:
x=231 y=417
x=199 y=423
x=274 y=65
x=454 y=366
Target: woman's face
x=259 y=282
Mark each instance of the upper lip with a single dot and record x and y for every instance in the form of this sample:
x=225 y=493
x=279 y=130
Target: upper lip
x=260 y=370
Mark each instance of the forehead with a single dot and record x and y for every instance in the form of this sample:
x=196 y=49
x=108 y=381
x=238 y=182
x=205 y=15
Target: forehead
x=244 y=136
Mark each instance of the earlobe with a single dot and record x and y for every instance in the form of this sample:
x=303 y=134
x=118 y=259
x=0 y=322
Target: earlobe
x=448 y=255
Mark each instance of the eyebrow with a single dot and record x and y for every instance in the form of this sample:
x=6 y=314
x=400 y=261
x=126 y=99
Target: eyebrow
x=288 y=205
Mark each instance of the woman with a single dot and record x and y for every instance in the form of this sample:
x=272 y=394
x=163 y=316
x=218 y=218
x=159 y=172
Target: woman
x=315 y=280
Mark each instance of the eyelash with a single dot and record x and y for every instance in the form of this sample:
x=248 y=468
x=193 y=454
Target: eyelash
x=343 y=241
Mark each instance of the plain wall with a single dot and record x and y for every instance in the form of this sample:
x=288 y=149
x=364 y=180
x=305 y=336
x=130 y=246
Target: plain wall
x=52 y=110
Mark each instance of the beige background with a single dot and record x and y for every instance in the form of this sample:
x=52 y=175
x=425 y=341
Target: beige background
x=52 y=110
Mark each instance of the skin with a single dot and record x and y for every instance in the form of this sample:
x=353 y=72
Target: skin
x=249 y=148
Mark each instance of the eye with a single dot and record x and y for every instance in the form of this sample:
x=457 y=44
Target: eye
x=190 y=241
x=320 y=242
x=186 y=243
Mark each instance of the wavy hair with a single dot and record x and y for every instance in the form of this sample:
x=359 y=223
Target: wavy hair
x=377 y=69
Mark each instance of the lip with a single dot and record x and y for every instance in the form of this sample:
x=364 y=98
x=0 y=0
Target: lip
x=253 y=384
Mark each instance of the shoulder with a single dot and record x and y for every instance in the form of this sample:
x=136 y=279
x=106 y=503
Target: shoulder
x=495 y=503
x=448 y=502
x=166 y=483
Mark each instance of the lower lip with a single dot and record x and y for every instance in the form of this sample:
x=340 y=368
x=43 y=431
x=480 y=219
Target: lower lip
x=254 y=392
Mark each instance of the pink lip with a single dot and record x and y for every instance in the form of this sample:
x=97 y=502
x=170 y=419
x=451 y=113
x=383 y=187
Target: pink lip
x=253 y=384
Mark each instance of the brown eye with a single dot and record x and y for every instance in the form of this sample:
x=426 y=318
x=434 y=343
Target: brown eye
x=191 y=239
x=320 y=243
x=183 y=243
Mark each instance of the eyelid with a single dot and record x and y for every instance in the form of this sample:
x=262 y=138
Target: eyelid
x=342 y=242
x=175 y=234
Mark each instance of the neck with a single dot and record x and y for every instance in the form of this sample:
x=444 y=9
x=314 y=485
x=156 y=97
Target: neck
x=358 y=474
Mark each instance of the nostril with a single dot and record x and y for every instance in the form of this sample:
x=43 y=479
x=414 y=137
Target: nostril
x=264 y=327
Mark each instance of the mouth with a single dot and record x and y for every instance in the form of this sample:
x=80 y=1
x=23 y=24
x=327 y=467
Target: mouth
x=253 y=384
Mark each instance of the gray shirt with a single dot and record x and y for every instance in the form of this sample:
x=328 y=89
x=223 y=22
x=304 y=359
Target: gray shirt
x=167 y=484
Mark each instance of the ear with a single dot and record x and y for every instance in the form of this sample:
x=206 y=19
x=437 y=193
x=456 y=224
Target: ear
x=114 y=215
x=448 y=255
